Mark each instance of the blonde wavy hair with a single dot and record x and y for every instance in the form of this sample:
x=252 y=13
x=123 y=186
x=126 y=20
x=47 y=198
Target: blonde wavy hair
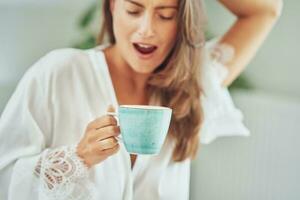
x=176 y=82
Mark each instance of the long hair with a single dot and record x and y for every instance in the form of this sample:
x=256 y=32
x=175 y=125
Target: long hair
x=176 y=82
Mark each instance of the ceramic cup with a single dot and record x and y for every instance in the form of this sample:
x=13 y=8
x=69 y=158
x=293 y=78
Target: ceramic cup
x=143 y=128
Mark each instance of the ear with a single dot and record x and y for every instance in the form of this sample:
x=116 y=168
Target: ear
x=111 y=5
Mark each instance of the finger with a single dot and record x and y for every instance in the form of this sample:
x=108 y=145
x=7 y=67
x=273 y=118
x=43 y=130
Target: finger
x=106 y=143
x=109 y=152
x=103 y=121
x=103 y=133
x=110 y=108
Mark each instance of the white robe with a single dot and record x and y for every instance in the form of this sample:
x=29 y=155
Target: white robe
x=47 y=115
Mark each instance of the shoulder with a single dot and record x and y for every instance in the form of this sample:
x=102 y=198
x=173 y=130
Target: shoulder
x=59 y=62
x=61 y=59
x=56 y=68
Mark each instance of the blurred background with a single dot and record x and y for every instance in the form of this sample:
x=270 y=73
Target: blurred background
x=263 y=166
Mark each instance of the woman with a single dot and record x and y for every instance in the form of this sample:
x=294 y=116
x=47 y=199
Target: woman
x=55 y=145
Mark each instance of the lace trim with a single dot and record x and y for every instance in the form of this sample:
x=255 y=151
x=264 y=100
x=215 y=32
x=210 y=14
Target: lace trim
x=222 y=53
x=62 y=173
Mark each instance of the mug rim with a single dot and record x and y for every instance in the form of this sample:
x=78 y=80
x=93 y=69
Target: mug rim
x=147 y=107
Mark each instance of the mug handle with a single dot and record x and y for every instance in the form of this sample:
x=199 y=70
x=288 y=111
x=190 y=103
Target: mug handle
x=115 y=115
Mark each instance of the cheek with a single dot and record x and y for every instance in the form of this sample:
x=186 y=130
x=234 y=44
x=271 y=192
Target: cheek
x=122 y=27
x=168 y=35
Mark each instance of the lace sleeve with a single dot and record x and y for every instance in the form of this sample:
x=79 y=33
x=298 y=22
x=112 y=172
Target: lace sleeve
x=221 y=116
x=219 y=54
x=63 y=175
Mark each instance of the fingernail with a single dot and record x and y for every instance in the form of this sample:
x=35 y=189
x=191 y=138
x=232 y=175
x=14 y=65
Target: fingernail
x=110 y=108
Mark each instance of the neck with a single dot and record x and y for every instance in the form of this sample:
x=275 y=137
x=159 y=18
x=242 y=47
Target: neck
x=130 y=86
x=122 y=71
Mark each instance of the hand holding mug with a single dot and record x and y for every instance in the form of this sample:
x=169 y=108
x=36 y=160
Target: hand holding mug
x=99 y=141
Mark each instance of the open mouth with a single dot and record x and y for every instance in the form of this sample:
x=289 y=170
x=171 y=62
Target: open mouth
x=144 y=49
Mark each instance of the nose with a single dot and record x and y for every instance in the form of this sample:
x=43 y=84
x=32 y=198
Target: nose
x=146 y=28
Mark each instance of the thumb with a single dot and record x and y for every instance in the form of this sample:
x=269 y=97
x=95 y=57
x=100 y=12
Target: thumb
x=110 y=108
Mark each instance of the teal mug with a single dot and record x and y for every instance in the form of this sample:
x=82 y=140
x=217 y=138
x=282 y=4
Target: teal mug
x=143 y=128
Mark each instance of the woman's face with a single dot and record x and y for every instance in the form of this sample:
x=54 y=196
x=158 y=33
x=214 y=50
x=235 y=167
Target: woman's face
x=145 y=31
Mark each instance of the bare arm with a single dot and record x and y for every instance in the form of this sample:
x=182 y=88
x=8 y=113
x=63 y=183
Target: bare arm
x=255 y=19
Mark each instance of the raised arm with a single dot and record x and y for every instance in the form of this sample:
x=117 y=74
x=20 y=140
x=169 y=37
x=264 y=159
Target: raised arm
x=255 y=19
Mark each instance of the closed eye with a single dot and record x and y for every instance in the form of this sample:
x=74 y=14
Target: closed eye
x=133 y=12
x=166 y=18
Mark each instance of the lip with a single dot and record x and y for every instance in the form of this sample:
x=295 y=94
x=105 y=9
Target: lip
x=144 y=56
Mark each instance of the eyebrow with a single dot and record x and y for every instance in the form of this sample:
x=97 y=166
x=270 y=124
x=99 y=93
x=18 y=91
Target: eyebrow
x=158 y=7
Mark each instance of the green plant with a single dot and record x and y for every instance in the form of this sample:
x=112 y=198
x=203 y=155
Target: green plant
x=85 y=24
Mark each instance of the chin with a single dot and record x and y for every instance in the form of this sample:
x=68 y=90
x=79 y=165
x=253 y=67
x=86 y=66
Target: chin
x=143 y=67
x=143 y=70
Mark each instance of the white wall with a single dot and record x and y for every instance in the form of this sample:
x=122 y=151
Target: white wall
x=31 y=30
x=28 y=30
x=264 y=166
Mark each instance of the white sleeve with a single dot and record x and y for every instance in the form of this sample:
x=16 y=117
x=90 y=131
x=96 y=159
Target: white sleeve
x=221 y=117
x=29 y=170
